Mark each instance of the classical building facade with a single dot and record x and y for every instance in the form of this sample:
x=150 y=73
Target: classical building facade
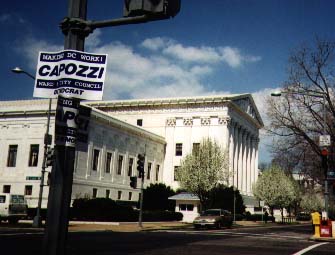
x=233 y=121
x=164 y=129
x=102 y=167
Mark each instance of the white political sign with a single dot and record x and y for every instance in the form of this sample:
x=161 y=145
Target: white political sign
x=70 y=73
x=324 y=140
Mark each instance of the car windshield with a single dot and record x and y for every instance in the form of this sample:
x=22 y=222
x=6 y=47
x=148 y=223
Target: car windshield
x=211 y=213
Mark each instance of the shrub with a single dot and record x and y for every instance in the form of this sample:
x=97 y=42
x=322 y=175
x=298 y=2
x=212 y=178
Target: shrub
x=156 y=196
x=162 y=216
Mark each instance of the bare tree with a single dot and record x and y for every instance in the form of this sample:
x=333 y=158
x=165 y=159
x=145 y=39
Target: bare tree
x=298 y=119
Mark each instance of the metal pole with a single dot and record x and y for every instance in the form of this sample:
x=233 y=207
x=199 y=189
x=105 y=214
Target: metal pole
x=37 y=219
x=62 y=172
x=141 y=204
x=37 y=222
x=326 y=170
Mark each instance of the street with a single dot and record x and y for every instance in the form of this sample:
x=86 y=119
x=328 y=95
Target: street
x=261 y=240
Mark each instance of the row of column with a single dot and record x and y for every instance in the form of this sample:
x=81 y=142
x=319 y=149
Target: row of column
x=243 y=153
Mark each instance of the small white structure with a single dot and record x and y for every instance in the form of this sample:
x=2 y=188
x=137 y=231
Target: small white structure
x=188 y=204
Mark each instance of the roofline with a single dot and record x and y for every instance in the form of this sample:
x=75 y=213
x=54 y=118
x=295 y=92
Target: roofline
x=167 y=101
x=184 y=101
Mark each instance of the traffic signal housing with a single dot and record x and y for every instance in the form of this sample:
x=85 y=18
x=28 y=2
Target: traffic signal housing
x=140 y=165
x=133 y=182
x=49 y=157
x=324 y=162
x=159 y=9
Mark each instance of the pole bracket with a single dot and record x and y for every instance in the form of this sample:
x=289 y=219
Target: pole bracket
x=77 y=26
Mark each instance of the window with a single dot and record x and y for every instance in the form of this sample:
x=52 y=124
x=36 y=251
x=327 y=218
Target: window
x=2 y=199
x=28 y=190
x=149 y=171
x=130 y=195
x=119 y=194
x=119 y=166
x=12 y=152
x=176 y=168
x=130 y=166
x=6 y=189
x=157 y=172
x=108 y=162
x=33 y=155
x=179 y=149
x=108 y=192
x=95 y=159
x=186 y=207
x=195 y=149
x=139 y=122
x=95 y=193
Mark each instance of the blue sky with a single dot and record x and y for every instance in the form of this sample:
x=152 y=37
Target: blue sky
x=210 y=47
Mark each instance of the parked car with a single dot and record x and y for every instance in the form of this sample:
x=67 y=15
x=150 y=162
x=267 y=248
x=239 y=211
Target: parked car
x=12 y=207
x=213 y=218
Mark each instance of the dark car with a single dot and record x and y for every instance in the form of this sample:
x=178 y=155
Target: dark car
x=215 y=218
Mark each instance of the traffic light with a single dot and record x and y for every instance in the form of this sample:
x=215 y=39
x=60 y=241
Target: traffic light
x=159 y=9
x=133 y=182
x=49 y=157
x=324 y=161
x=140 y=165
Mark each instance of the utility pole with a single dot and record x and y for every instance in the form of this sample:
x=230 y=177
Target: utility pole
x=76 y=28
x=62 y=172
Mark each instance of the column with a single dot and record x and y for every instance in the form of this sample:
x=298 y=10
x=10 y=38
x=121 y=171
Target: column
x=236 y=151
x=245 y=156
x=231 y=153
x=256 y=159
x=249 y=164
x=240 y=159
x=252 y=163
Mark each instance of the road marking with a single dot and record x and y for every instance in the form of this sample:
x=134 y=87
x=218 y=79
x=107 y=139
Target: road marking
x=226 y=233
x=308 y=249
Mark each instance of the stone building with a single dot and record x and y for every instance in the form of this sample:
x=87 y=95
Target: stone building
x=232 y=120
x=102 y=168
x=165 y=129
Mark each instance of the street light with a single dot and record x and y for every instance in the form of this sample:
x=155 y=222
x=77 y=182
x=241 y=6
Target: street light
x=322 y=95
x=37 y=222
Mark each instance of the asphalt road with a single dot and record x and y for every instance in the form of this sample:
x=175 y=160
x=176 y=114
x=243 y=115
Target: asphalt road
x=257 y=241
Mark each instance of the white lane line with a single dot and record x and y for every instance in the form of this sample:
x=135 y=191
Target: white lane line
x=308 y=249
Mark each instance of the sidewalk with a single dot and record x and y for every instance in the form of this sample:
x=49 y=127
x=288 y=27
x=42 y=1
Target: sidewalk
x=76 y=226
x=150 y=226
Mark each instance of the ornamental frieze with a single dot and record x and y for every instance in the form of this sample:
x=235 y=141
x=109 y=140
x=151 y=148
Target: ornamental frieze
x=188 y=121
x=224 y=120
x=171 y=122
x=205 y=121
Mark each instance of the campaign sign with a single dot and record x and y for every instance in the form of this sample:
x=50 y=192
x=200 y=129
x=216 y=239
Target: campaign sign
x=72 y=121
x=70 y=73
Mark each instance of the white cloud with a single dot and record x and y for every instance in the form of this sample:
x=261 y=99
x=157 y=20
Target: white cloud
x=193 y=54
x=32 y=47
x=204 y=54
x=155 y=43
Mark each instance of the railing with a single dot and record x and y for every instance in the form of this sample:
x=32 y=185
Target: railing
x=288 y=219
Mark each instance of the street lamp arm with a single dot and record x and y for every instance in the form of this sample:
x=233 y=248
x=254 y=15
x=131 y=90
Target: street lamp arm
x=19 y=70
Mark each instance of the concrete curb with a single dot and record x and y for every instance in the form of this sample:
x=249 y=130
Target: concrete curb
x=322 y=239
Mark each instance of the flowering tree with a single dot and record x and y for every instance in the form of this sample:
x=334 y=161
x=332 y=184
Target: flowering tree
x=276 y=189
x=203 y=169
